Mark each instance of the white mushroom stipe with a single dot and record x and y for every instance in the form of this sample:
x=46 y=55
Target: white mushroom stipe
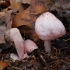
x=47 y=45
x=48 y=28
x=14 y=57
x=18 y=41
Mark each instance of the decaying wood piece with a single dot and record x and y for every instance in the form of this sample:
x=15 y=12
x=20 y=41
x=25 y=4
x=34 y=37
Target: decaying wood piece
x=5 y=24
x=2 y=28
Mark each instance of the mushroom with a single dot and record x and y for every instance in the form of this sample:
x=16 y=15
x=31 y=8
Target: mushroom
x=22 y=47
x=30 y=46
x=18 y=41
x=48 y=28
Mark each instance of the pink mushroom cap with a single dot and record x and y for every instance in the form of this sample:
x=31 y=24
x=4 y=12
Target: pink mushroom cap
x=48 y=27
x=30 y=46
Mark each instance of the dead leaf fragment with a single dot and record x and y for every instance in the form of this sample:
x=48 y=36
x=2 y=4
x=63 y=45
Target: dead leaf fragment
x=3 y=65
x=22 y=21
x=39 y=9
x=16 y=5
x=26 y=1
x=25 y=28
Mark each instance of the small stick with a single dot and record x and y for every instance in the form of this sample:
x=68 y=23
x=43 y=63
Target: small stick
x=59 y=61
x=40 y=57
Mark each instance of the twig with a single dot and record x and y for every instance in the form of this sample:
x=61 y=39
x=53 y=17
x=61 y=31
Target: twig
x=58 y=63
x=40 y=58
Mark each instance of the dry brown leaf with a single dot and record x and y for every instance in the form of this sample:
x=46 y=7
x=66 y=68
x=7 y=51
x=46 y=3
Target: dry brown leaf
x=25 y=28
x=3 y=65
x=26 y=1
x=16 y=5
x=22 y=21
x=39 y=9
x=21 y=17
x=25 y=15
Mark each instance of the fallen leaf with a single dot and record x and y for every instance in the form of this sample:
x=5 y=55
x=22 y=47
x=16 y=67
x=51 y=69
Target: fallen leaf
x=39 y=9
x=22 y=21
x=26 y=1
x=3 y=65
x=16 y=5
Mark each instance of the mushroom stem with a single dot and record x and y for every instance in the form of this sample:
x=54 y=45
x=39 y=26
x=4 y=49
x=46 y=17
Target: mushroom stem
x=47 y=45
x=18 y=41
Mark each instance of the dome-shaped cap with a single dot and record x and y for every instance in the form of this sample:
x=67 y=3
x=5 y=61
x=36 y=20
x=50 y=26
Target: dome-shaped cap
x=48 y=27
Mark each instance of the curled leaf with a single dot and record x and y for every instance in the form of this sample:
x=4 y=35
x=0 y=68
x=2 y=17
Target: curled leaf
x=22 y=21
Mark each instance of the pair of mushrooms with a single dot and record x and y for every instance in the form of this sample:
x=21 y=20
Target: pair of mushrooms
x=22 y=47
x=48 y=28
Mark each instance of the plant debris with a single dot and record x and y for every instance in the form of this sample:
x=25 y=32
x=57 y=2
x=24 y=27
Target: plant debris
x=22 y=14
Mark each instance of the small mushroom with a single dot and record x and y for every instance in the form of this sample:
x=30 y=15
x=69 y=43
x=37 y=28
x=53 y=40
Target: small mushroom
x=18 y=41
x=48 y=28
x=30 y=46
x=22 y=47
